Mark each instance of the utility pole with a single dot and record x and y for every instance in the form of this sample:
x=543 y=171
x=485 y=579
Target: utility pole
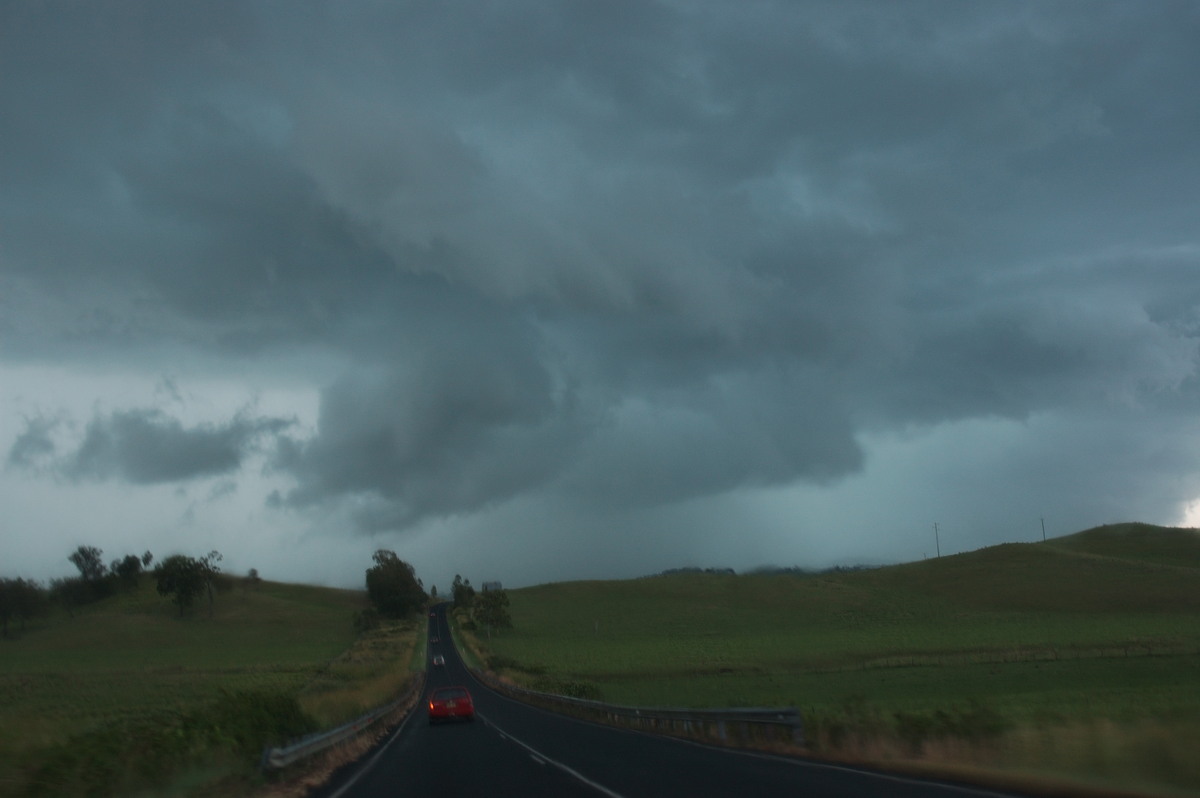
x=937 y=541
x=1043 y=530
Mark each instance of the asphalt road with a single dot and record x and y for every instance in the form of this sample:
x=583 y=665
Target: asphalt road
x=512 y=749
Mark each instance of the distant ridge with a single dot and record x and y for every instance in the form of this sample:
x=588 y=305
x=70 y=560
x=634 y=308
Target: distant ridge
x=1159 y=545
x=1136 y=543
x=1118 y=567
x=1131 y=567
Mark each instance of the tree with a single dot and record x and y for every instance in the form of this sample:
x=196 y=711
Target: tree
x=87 y=560
x=491 y=610
x=433 y=592
x=393 y=587
x=70 y=592
x=210 y=571
x=20 y=599
x=94 y=575
x=128 y=570
x=182 y=578
x=462 y=592
x=7 y=604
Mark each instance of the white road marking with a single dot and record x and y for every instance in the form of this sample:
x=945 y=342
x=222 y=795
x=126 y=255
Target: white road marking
x=814 y=764
x=534 y=753
x=361 y=771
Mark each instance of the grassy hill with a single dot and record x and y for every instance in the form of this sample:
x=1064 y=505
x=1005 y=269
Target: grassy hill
x=1094 y=630
x=128 y=667
x=1155 y=545
x=1077 y=656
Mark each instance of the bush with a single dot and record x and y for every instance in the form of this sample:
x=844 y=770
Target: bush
x=976 y=723
x=496 y=662
x=136 y=754
x=571 y=689
x=366 y=620
x=854 y=722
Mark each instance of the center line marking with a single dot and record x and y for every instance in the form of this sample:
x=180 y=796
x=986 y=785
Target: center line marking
x=534 y=753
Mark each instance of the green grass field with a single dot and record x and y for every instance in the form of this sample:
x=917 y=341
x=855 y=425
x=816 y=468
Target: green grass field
x=1078 y=658
x=130 y=663
x=1100 y=629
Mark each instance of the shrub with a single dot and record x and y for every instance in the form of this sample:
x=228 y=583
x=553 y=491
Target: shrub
x=130 y=755
x=976 y=723
x=366 y=620
x=569 y=688
x=496 y=662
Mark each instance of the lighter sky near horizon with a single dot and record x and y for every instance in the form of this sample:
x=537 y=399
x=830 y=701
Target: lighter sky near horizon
x=542 y=291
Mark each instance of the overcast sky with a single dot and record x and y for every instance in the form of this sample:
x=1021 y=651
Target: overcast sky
x=536 y=291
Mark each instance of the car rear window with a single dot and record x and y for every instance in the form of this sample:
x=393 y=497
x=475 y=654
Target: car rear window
x=450 y=692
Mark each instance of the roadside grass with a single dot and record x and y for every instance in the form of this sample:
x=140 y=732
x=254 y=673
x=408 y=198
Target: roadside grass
x=366 y=676
x=179 y=701
x=1092 y=641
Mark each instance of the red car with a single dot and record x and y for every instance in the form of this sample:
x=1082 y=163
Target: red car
x=450 y=703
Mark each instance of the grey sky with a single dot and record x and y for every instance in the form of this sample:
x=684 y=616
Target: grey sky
x=539 y=291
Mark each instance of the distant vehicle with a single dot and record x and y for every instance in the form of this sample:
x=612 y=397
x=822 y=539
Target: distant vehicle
x=433 y=615
x=433 y=639
x=439 y=660
x=450 y=703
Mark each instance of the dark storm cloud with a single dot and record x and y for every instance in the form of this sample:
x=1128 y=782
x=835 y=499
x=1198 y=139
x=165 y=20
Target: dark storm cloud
x=148 y=447
x=631 y=252
x=466 y=417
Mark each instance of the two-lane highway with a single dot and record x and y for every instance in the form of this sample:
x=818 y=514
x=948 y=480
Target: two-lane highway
x=515 y=749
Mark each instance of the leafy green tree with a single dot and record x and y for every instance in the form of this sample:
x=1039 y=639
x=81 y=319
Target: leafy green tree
x=20 y=599
x=491 y=610
x=182 y=578
x=31 y=600
x=128 y=570
x=7 y=604
x=71 y=592
x=462 y=592
x=393 y=587
x=93 y=573
x=88 y=560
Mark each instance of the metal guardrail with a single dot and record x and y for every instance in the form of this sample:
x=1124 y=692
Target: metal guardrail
x=280 y=757
x=735 y=726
